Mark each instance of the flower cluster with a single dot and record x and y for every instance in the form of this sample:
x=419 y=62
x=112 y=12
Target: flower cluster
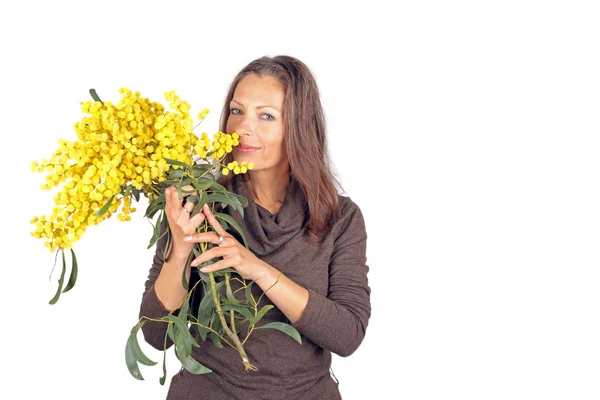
x=237 y=168
x=121 y=150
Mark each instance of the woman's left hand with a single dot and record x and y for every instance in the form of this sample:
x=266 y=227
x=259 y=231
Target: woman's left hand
x=234 y=254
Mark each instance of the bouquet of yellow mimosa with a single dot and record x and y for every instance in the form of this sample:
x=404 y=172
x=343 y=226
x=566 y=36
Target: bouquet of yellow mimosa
x=135 y=149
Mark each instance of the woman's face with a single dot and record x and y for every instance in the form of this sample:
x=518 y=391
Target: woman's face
x=256 y=114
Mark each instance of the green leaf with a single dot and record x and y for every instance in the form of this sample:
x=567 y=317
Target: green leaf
x=168 y=183
x=229 y=219
x=283 y=327
x=243 y=201
x=183 y=333
x=155 y=206
x=194 y=366
x=220 y=197
x=199 y=169
x=104 y=209
x=230 y=297
x=95 y=95
x=175 y=173
x=167 y=244
x=202 y=184
x=73 y=277
x=183 y=347
x=178 y=163
x=244 y=310
x=201 y=202
x=261 y=314
x=204 y=276
x=132 y=364
x=197 y=252
x=217 y=187
x=164 y=377
x=224 y=225
x=248 y=292
x=205 y=310
x=240 y=202
x=215 y=324
x=171 y=332
x=137 y=352
x=192 y=199
x=126 y=190
x=60 y=280
x=136 y=194
x=184 y=280
x=156 y=234
x=186 y=182
x=216 y=341
x=237 y=205
x=185 y=308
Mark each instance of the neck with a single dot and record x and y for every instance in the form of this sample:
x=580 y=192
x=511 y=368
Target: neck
x=269 y=188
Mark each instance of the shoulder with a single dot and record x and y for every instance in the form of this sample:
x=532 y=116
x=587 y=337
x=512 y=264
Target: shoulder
x=346 y=205
x=348 y=217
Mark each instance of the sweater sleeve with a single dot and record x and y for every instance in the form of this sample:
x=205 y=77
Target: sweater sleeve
x=338 y=321
x=154 y=332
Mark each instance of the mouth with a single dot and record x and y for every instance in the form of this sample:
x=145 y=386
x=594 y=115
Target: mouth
x=245 y=149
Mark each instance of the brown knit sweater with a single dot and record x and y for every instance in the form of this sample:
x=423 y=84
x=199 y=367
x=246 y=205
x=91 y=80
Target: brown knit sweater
x=335 y=319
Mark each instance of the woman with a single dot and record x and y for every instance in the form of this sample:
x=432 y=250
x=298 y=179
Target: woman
x=307 y=246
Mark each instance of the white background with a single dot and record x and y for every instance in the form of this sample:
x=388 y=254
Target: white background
x=466 y=131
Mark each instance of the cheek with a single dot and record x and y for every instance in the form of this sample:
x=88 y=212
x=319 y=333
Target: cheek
x=277 y=145
x=229 y=126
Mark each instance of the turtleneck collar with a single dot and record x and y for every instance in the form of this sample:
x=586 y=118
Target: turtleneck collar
x=264 y=231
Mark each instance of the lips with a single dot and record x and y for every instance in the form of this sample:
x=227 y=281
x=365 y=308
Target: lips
x=246 y=147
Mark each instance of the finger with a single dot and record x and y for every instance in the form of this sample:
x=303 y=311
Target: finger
x=204 y=237
x=189 y=207
x=209 y=255
x=219 y=265
x=188 y=190
x=174 y=203
x=196 y=220
x=169 y=195
x=213 y=221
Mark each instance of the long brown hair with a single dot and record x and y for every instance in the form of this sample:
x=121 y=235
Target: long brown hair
x=305 y=136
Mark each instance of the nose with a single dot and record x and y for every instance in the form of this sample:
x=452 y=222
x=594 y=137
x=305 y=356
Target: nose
x=245 y=126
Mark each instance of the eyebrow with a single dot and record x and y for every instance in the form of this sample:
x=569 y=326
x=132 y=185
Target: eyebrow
x=274 y=108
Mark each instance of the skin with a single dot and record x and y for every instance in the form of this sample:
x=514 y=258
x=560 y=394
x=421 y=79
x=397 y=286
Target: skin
x=256 y=115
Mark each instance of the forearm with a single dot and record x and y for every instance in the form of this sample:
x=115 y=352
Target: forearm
x=289 y=297
x=169 y=288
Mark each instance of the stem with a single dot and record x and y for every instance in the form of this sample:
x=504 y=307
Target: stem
x=213 y=331
x=232 y=335
x=231 y=317
x=248 y=334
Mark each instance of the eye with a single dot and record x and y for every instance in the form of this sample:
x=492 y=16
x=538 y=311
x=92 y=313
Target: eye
x=235 y=111
x=268 y=117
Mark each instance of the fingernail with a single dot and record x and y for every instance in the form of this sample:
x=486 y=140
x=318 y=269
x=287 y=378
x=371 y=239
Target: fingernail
x=204 y=269
x=194 y=263
x=187 y=238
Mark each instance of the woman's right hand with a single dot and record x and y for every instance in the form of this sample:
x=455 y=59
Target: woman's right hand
x=168 y=285
x=180 y=222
